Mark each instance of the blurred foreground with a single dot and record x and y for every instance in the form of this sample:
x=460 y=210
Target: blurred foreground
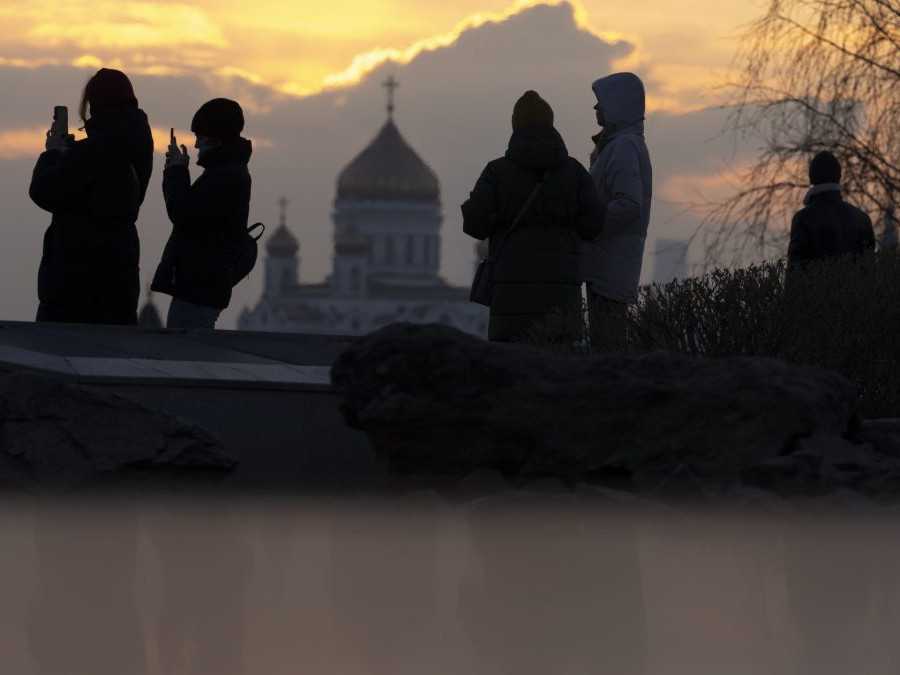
x=518 y=583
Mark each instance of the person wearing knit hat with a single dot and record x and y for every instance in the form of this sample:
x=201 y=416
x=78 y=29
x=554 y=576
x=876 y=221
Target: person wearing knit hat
x=824 y=168
x=533 y=205
x=220 y=118
x=94 y=188
x=827 y=226
x=209 y=217
x=531 y=111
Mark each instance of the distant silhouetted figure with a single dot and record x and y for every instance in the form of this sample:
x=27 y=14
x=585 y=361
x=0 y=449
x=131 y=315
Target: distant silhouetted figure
x=94 y=189
x=827 y=226
x=620 y=166
x=208 y=217
x=537 y=269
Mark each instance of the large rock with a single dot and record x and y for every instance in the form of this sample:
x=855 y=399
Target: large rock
x=59 y=436
x=434 y=400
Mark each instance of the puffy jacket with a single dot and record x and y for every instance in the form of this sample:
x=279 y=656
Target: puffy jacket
x=208 y=218
x=620 y=166
x=537 y=270
x=828 y=227
x=89 y=266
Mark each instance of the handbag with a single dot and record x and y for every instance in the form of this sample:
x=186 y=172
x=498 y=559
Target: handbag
x=246 y=253
x=483 y=284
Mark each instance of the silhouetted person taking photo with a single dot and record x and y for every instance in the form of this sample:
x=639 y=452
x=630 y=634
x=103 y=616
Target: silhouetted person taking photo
x=208 y=218
x=827 y=226
x=535 y=205
x=620 y=166
x=94 y=188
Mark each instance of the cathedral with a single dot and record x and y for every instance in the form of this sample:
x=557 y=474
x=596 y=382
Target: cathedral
x=387 y=252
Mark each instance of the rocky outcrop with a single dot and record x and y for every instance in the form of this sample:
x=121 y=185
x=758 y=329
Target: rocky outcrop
x=435 y=401
x=59 y=436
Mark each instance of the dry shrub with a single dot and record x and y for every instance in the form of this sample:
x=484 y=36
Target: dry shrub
x=840 y=314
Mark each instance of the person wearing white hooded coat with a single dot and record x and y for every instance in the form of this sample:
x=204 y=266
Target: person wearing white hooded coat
x=620 y=166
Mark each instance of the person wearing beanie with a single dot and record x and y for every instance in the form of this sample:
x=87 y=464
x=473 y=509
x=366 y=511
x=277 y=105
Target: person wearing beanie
x=623 y=173
x=827 y=226
x=209 y=217
x=533 y=205
x=94 y=188
x=531 y=111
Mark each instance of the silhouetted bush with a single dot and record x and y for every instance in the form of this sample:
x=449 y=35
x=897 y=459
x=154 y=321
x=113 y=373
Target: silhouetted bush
x=842 y=315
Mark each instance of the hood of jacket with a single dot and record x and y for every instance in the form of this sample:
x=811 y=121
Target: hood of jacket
x=623 y=101
x=537 y=149
x=237 y=151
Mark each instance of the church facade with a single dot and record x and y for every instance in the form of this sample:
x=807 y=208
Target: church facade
x=387 y=220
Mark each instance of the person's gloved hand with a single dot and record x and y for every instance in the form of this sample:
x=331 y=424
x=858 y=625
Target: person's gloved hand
x=176 y=156
x=61 y=143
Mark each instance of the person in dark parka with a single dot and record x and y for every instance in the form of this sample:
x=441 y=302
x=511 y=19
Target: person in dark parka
x=94 y=188
x=208 y=217
x=537 y=271
x=827 y=226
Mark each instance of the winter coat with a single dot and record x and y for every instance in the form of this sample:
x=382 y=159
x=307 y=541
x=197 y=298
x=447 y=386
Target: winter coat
x=208 y=219
x=89 y=267
x=827 y=227
x=537 y=270
x=620 y=166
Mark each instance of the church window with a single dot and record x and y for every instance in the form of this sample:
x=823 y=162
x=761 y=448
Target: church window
x=432 y=250
x=389 y=250
x=410 y=249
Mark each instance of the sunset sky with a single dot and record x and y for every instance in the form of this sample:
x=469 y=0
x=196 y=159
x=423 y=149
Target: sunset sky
x=301 y=47
x=309 y=74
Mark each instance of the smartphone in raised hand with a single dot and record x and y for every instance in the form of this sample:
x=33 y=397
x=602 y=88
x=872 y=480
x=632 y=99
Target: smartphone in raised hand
x=60 y=125
x=173 y=144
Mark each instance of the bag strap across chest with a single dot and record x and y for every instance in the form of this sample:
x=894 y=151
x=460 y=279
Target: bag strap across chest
x=495 y=254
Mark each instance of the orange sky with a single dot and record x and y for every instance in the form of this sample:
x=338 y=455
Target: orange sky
x=301 y=47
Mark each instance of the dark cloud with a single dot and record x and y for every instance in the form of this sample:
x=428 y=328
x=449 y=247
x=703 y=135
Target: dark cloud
x=454 y=107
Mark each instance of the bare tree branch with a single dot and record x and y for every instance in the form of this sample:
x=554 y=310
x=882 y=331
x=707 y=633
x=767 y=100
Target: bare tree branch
x=815 y=75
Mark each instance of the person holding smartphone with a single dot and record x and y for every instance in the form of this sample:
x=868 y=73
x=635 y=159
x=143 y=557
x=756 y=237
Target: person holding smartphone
x=94 y=189
x=209 y=217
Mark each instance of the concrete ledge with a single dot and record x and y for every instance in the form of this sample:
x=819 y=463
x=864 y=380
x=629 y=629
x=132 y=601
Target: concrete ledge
x=117 y=354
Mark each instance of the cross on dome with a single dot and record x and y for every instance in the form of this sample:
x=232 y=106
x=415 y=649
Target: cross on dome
x=391 y=85
x=282 y=211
